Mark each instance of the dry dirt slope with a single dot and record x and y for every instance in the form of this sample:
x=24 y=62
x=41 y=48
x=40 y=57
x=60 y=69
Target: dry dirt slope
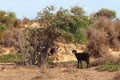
x=12 y=72
x=65 y=52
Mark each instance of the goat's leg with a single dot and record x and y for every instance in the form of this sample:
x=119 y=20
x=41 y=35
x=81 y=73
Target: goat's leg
x=78 y=64
x=88 y=63
x=81 y=64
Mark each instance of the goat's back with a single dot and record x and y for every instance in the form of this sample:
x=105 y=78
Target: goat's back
x=82 y=56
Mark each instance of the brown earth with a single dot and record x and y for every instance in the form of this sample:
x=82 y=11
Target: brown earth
x=13 y=72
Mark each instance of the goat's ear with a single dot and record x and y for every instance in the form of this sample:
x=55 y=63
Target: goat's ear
x=73 y=51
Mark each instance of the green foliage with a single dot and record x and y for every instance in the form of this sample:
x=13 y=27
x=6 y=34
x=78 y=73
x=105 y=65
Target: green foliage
x=7 y=19
x=15 y=58
x=2 y=28
x=50 y=60
x=69 y=22
x=77 y=10
x=108 y=67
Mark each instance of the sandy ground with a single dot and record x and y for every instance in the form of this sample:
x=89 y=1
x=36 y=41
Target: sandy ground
x=13 y=72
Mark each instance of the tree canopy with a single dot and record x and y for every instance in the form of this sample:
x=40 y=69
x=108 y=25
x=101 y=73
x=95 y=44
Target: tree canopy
x=106 y=13
x=69 y=22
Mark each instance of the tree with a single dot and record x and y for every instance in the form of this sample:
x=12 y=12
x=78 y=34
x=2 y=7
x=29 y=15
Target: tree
x=105 y=13
x=69 y=22
x=25 y=21
x=77 y=10
x=7 y=19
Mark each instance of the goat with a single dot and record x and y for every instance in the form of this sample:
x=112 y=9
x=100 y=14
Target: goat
x=53 y=50
x=84 y=56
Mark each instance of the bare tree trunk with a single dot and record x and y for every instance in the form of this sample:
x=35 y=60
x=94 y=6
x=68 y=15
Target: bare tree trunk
x=42 y=57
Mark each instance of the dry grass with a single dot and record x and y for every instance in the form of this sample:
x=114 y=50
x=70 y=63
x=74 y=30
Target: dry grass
x=13 y=72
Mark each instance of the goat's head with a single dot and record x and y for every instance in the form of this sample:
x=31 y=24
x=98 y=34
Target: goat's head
x=74 y=51
x=52 y=51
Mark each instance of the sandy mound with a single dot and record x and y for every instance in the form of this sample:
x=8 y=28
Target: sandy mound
x=6 y=50
x=65 y=53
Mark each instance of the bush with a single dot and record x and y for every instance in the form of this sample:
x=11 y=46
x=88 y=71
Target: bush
x=33 y=42
x=2 y=28
x=15 y=58
x=102 y=35
x=10 y=37
x=108 y=67
x=69 y=22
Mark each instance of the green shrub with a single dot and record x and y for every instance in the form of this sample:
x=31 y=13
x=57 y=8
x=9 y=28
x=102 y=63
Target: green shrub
x=2 y=28
x=108 y=67
x=15 y=58
x=70 y=22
